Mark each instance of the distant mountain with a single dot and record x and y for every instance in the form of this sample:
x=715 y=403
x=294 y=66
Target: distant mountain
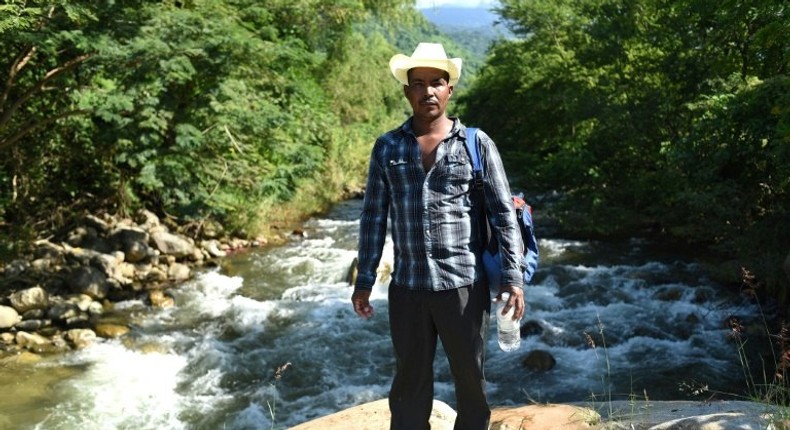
x=460 y=16
x=472 y=28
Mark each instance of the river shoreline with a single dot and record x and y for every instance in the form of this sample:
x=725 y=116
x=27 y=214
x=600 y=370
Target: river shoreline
x=60 y=296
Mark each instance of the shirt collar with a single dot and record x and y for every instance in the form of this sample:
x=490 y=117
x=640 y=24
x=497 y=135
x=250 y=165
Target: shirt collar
x=455 y=131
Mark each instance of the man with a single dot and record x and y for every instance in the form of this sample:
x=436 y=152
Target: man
x=420 y=175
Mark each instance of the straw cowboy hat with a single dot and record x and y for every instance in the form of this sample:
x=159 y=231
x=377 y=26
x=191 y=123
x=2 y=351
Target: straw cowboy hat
x=426 y=55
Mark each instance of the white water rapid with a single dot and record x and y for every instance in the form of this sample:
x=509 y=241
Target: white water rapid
x=209 y=363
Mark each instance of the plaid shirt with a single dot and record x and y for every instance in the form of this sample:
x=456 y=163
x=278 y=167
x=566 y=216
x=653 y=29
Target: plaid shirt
x=435 y=231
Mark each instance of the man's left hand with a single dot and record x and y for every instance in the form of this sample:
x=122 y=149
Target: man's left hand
x=516 y=300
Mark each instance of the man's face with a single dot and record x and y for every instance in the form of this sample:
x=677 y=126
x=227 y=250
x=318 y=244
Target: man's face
x=428 y=92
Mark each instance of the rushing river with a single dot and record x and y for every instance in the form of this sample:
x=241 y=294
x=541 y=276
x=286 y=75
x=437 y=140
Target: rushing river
x=621 y=320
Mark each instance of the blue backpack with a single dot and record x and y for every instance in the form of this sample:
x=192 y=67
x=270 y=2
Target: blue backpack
x=492 y=261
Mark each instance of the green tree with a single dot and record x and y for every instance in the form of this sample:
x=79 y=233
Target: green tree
x=192 y=108
x=653 y=116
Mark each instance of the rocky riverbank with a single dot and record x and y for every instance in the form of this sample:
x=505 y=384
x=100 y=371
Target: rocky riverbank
x=61 y=296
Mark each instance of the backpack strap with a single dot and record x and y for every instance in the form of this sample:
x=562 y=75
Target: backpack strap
x=473 y=148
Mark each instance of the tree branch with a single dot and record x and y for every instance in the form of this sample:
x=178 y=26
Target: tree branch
x=50 y=75
x=32 y=126
x=19 y=63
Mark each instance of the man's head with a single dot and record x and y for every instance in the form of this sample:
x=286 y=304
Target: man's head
x=426 y=55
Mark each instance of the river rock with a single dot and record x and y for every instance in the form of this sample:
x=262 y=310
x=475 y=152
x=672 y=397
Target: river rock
x=147 y=219
x=171 y=244
x=89 y=280
x=32 y=341
x=156 y=275
x=158 y=299
x=42 y=265
x=34 y=314
x=32 y=325
x=95 y=308
x=179 y=272
x=7 y=338
x=8 y=317
x=83 y=301
x=213 y=248
x=531 y=328
x=29 y=299
x=110 y=331
x=133 y=242
x=87 y=237
x=96 y=223
x=114 y=266
x=48 y=250
x=81 y=338
x=63 y=311
x=539 y=360
x=15 y=268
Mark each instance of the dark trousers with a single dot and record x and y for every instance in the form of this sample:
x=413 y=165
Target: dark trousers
x=459 y=318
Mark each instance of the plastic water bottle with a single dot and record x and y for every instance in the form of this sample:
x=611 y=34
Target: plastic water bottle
x=508 y=330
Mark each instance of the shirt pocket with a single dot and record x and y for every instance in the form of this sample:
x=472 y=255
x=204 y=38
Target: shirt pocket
x=401 y=174
x=453 y=175
x=456 y=168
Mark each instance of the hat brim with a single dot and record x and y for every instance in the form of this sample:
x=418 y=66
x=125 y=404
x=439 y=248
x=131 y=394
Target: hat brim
x=401 y=64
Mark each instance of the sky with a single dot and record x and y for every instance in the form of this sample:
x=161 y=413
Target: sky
x=422 y=4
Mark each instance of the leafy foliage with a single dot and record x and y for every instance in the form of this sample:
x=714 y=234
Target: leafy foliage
x=191 y=108
x=656 y=116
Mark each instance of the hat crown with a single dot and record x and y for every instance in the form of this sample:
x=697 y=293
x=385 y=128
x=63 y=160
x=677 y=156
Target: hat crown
x=425 y=55
x=429 y=51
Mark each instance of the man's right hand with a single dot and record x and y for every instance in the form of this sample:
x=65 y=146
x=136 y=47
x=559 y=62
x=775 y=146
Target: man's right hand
x=361 y=301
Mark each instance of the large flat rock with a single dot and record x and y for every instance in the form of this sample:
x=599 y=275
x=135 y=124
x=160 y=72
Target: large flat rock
x=614 y=415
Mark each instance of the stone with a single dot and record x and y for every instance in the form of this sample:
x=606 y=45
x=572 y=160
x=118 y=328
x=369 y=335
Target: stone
x=539 y=360
x=7 y=338
x=34 y=314
x=63 y=311
x=133 y=242
x=89 y=280
x=179 y=272
x=376 y=416
x=95 y=308
x=213 y=248
x=48 y=250
x=147 y=219
x=96 y=223
x=32 y=325
x=29 y=299
x=114 y=267
x=110 y=331
x=171 y=244
x=81 y=338
x=544 y=417
x=16 y=268
x=531 y=328
x=32 y=341
x=8 y=317
x=83 y=301
x=158 y=299
x=156 y=275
